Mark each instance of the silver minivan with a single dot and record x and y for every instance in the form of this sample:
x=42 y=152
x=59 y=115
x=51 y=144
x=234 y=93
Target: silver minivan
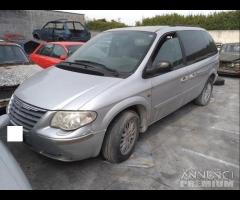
x=113 y=88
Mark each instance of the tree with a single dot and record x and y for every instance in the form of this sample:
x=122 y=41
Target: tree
x=103 y=24
x=215 y=21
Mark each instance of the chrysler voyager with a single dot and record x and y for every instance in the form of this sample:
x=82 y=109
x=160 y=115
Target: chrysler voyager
x=113 y=88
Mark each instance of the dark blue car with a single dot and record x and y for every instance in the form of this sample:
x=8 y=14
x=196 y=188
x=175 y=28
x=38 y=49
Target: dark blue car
x=62 y=30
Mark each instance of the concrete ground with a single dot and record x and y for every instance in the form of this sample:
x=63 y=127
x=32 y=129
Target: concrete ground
x=192 y=138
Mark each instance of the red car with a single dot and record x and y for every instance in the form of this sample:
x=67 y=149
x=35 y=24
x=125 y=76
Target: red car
x=52 y=53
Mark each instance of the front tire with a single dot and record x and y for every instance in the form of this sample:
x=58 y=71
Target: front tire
x=204 y=98
x=121 y=137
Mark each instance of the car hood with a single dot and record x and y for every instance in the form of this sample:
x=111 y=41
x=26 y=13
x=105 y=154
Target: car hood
x=12 y=75
x=56 y=89
x=229 y=57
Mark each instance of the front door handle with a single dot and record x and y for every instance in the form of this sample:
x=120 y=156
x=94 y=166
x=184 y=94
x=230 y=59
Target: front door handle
x=184 y=79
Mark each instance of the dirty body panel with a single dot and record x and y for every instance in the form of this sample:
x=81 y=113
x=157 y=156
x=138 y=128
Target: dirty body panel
x=230 y=60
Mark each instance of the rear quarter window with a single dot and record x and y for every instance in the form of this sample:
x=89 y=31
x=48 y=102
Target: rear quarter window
x=197 y=45
x=78 y=26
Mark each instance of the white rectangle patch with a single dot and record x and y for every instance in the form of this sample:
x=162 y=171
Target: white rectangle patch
x=14 y=133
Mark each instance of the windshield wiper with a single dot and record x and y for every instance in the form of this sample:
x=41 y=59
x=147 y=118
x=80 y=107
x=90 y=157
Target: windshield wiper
x=77 y=67
x=93 y=64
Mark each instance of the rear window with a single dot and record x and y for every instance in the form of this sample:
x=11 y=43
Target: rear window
x=12 y=54
x=198 y=45
x=72 y=49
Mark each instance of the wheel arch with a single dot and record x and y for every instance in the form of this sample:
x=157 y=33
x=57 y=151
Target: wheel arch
x=137 y=104
x=213 y=75
x=36 y=36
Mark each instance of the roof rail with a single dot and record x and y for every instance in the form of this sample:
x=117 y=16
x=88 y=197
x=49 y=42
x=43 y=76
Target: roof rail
x=187 y=25
x=59 y=20
x=62 y=19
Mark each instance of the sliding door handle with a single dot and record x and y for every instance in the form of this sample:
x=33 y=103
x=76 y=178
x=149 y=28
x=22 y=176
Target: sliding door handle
x=193 y=75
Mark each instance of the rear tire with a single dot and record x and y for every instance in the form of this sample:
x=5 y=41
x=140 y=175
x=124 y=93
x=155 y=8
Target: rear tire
x=205 y=96
x=121 y=137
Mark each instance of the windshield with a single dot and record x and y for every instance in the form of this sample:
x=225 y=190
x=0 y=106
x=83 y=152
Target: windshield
x=230 y=48
x=121 y=51
x=12 y=54
x=72 y=49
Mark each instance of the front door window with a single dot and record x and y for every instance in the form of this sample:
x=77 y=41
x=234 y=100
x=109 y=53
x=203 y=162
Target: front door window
x=170 y=51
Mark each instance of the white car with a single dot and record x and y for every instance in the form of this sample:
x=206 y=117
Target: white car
x=11 y=175
x=15 y=67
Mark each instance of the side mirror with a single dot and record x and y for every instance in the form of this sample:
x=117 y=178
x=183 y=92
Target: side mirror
x=63 y=57
x=162 y=66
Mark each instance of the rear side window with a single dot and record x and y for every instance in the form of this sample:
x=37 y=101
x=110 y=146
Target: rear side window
x=198 y=45
x=58 y=51
x=59 y=26
x=49 y=25
x=70 y=25
x=45 y=50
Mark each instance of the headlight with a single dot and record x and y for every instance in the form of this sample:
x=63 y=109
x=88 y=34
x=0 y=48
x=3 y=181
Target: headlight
x=233 y=64
x=72 y=120
x=236 y=64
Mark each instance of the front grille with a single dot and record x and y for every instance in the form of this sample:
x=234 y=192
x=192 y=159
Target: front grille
x=24 y=114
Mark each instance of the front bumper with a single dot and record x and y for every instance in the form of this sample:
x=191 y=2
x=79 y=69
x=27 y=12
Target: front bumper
x=55 y=143
x=229 y=72
x=71 y=149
